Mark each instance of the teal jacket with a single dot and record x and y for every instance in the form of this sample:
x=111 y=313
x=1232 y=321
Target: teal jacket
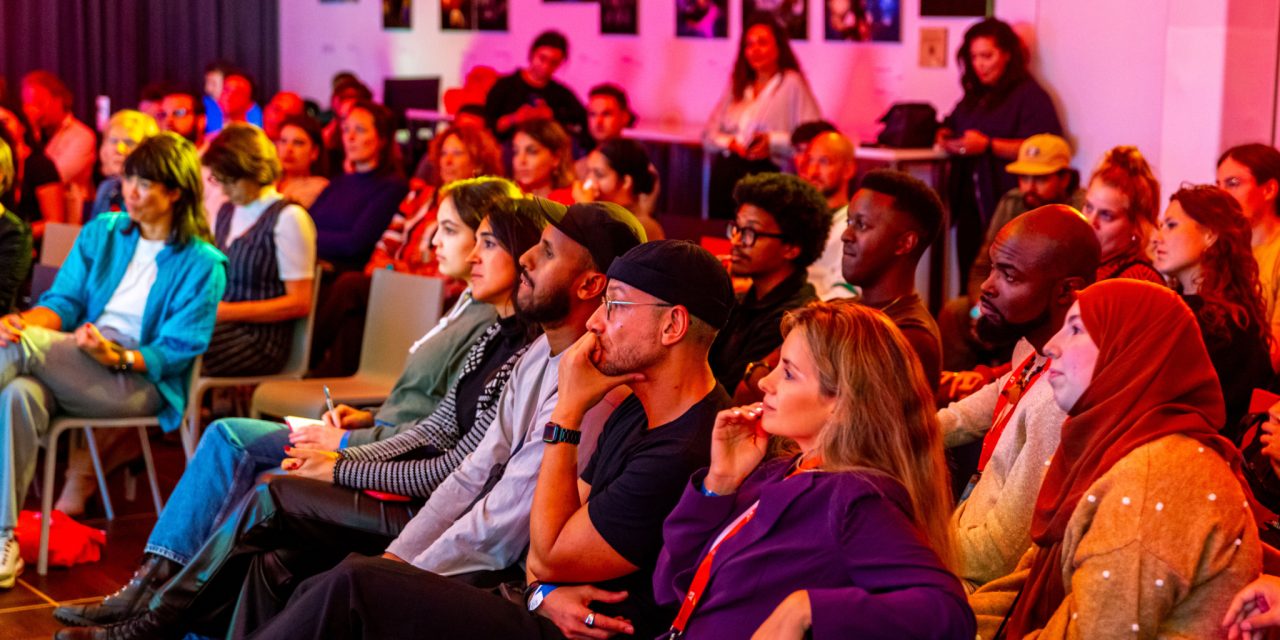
x=178 y=319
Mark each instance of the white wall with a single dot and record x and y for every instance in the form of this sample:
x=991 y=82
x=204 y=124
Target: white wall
x=1180 y=79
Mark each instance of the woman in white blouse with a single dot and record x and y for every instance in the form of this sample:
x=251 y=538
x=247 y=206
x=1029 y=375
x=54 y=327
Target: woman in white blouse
x=751 y=126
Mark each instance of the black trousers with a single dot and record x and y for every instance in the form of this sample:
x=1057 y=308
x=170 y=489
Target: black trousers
x=284 y=531
x=367 y=597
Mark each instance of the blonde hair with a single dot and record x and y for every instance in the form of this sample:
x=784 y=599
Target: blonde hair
x=884 y=420
x=139 y=124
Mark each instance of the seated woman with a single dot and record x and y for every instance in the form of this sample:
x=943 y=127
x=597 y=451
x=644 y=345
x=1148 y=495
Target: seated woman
x=1202 y=247
x=1251 y=174
x=15 y=235
x=37 y=196
x=117 y=334
x=619 y=171
x=271 y=254
x=125 y=130
x=865 y=550
x=302 y=163
x=1128 y=543
x=405 y=246
x=1121 y=206
x=542 y=164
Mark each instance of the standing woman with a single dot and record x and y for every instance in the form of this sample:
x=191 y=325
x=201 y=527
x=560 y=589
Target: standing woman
x=1251 y=174
x=619 y=171
x=850 y=533
x=302 y=160
x=1202 y=248
x=1121 y=206
x=116 y=336
x=750 y=128
x=1002 y=105
x=1143 y=526
x=541 y=162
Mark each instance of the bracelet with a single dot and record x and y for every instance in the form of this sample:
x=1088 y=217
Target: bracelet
x=537 y=594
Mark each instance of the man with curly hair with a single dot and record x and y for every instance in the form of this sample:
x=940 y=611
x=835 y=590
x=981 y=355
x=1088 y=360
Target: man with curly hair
x=781 y=227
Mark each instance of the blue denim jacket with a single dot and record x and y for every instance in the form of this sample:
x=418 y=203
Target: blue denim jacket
x=177 y=322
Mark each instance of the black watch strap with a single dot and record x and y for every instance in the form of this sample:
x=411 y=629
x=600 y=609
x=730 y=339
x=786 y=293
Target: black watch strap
x=554 y=433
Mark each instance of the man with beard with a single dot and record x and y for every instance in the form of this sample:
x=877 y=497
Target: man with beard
x=829 y=166
x=595 y=533
x=1045 y=177
x=1040 y=260
x=780 y=229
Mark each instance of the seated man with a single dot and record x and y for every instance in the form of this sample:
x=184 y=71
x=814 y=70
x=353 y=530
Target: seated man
x=69 y=143
x=532 y=93
x=183 y=114
x=595 y=533
x=1045 y=177
x=829 y=166
x=1041 y=259
x=780 y=229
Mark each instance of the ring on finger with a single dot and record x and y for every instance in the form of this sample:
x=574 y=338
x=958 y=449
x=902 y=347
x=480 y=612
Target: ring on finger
x=590 y=621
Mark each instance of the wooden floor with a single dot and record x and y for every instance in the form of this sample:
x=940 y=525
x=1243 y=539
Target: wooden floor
x=26 y=610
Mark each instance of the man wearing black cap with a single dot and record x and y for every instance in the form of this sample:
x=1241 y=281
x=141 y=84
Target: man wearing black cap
x=595 y=533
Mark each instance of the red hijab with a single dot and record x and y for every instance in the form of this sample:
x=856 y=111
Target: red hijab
x=1152 y=379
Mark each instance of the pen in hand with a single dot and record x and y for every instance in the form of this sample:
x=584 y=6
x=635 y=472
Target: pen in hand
x=328 y=399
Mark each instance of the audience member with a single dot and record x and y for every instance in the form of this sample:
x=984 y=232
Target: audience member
x=125 y=131
x=283 y=105
x=1045 y=176
x=532 y=93
x=351 y=213
x=98 y=343
x=829 y=165
x=803 y=135
x=1251 y=174
x=151 y=99
x=183 y=115
x=215 y=85
x=300 y=147
x=1126 y=540
x=1002 y=106
x=1202 y=247
x=749 y=130
x=346 y=93
x=781 y=228
x=619 y=171
x=66 y=140
x=595 y=533
x=1041 y=260
x=234 y=452
x=37 y=195
x=320 y=503
x=1121 y=204
x=851 y=528
x=608 y=114
x=542 y=163
x=15 y=236
x=236 y=99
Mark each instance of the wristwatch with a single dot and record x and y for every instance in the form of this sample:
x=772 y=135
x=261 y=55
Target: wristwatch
x=554 y=433
x=126 y=362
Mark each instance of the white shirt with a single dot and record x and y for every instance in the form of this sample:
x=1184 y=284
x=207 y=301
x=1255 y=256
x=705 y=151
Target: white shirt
x=295 y=234
x=826 y=274
x=124 y=310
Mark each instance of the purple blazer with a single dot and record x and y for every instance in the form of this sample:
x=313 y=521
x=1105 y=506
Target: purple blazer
x=843 y=537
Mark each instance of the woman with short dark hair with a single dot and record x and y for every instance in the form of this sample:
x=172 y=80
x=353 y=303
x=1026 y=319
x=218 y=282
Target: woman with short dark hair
x=302 y=160
x=619 y=171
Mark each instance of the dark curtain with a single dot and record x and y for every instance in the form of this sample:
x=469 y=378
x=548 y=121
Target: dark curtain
x=115 y=47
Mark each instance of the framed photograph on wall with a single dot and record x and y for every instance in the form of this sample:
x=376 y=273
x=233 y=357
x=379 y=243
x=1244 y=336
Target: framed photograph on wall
x=862 y=20
x=473 y=15
x=397 y=14
x=619 y=16
x=792 y=14
x=957 y=8
x=702 y=18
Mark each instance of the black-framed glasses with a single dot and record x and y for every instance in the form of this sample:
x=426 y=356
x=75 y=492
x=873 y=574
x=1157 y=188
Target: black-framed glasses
x=746 y=236
x=610 y=304
x=177 y=113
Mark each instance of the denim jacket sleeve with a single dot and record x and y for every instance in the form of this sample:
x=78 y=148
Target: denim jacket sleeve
x=186 y=325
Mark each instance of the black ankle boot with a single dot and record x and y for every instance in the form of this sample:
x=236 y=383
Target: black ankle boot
x=148 y=626
x=130 y=601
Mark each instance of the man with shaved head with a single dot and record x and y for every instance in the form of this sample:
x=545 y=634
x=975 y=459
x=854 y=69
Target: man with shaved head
x=1039 y=261
x=829 y=166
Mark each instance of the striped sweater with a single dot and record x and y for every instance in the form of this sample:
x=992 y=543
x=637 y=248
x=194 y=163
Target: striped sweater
x=415 y=461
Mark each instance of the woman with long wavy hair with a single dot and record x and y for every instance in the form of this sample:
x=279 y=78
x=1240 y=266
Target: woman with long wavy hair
x=1202 y=248
x=851 y=528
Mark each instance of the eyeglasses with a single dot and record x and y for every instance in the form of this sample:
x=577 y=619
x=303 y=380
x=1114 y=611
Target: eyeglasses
x=610 y=304
x=746 y=236
x=177 y=113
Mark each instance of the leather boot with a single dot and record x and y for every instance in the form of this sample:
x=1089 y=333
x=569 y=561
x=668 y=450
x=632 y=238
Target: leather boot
x=148 y=626
x=130 y=601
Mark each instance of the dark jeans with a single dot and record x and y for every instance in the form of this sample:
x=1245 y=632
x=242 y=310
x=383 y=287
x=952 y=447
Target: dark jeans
x=367 y=597
x=284 y=531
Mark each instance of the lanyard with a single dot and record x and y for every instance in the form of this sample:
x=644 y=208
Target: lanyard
x=1012 y=392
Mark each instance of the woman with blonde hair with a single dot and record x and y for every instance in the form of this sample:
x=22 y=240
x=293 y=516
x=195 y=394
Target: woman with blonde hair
x=1121 y=204
x=851 y=530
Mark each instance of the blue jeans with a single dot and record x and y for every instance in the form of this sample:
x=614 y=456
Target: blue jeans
x=232 y=454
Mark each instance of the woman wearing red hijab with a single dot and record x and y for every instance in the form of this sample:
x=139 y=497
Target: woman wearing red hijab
x=1143 y=526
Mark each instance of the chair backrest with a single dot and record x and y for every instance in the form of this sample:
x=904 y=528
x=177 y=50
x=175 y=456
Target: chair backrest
x=402 y=307
x=59 y=237
x=303 y=330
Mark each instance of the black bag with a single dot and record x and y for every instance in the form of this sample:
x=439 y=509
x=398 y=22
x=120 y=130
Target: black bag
x=909 y=125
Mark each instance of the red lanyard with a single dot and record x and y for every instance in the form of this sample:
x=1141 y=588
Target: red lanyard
x=1012 y=392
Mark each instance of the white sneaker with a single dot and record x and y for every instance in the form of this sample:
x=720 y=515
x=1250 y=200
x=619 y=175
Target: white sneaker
x=10 y=563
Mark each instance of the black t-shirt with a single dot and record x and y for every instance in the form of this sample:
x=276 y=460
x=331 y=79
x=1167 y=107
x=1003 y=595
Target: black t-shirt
x=37 y=171
x=637 y=476
x=1241 y=359
x=513 y=335
x=917 y=325
x=511 y=92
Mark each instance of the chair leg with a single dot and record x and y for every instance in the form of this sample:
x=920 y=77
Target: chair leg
x=102 y=476
x=151 y=470
x=46 y=500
